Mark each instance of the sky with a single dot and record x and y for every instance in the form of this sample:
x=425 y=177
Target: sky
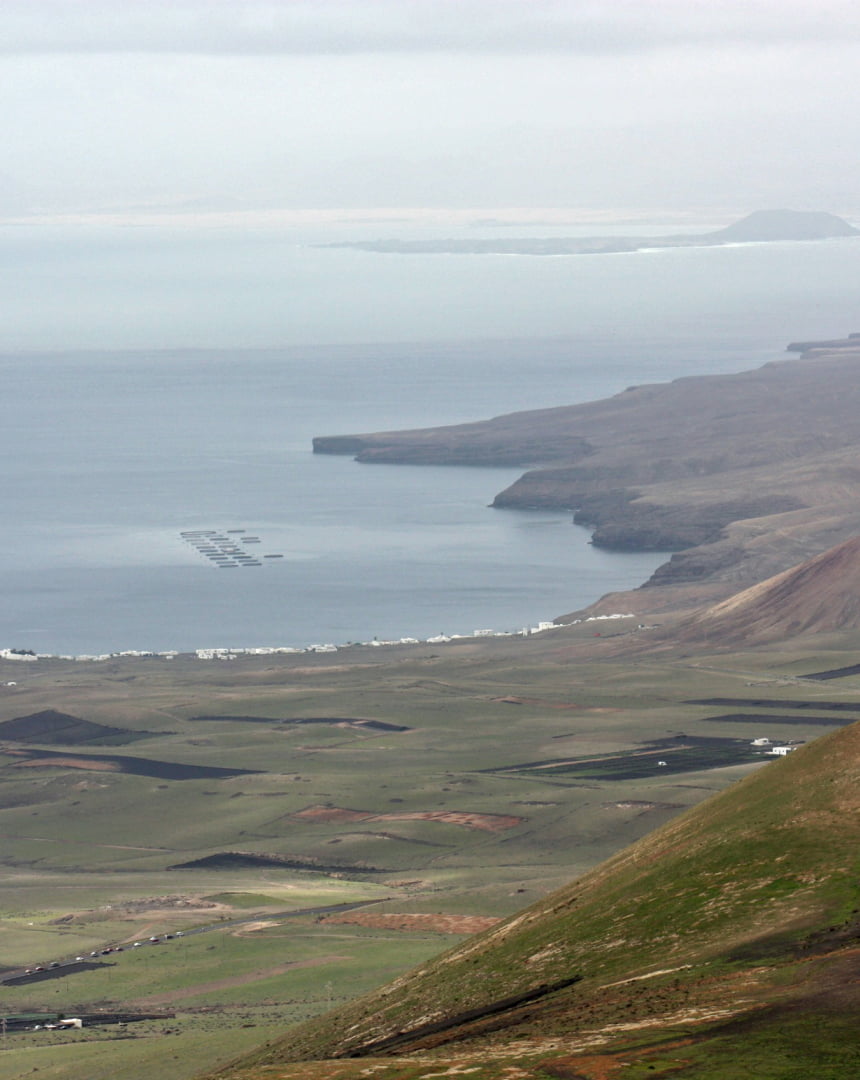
x=708 y=108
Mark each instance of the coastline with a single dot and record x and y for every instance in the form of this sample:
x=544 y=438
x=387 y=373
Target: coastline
x=740 y=476
x=233 y=653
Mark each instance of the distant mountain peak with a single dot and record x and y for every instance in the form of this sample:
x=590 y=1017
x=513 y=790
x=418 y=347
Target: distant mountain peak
x=786 y=225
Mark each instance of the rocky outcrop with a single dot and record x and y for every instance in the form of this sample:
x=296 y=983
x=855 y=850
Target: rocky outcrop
x=641 y=526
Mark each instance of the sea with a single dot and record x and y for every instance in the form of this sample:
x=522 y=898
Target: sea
x=161 y=386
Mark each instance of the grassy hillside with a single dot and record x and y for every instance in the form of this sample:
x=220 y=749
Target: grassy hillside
x=735 y=921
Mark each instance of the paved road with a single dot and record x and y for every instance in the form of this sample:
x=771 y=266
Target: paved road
x=73 y=967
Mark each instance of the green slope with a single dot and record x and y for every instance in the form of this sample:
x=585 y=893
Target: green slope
x=742 y=911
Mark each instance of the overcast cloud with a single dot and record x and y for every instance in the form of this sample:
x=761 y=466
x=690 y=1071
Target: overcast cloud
x=112 y=105
x=470 y=26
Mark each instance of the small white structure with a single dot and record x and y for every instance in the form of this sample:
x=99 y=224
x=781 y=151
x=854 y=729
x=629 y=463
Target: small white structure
x=781 y=751
x=16 y=654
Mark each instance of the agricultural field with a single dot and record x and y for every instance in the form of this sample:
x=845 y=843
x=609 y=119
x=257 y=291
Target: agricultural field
x=307 y=828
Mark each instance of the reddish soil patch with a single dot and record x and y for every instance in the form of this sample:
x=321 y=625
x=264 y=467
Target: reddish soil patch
x=484 y=822
x=68 y=763
x=605 y=1066
x=444 y=924
x=331 y=813
x=591 y=1067
x=469 y=820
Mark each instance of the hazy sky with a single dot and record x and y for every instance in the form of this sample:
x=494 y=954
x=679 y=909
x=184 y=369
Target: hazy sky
x=189 y=105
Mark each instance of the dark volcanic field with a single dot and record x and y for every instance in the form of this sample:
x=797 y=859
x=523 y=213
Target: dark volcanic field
x=135 y=766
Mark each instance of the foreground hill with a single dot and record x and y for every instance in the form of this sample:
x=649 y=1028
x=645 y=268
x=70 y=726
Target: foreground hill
x=725 y=943
x=743 y=475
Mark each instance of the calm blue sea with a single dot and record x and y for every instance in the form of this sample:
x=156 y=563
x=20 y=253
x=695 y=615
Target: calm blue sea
x=158 y=384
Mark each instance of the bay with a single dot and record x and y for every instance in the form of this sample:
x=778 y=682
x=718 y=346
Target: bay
x=157 y=384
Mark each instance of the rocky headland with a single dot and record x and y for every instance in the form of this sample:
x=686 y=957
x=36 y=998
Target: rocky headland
x=741 y=476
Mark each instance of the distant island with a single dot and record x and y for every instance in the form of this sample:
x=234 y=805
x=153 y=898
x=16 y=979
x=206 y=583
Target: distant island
x=762 y=226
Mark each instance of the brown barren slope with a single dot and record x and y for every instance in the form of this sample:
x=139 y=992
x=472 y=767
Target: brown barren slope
x=821 y=595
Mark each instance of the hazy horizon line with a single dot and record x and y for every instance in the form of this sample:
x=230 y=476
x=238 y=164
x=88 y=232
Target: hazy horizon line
x=525 y=216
